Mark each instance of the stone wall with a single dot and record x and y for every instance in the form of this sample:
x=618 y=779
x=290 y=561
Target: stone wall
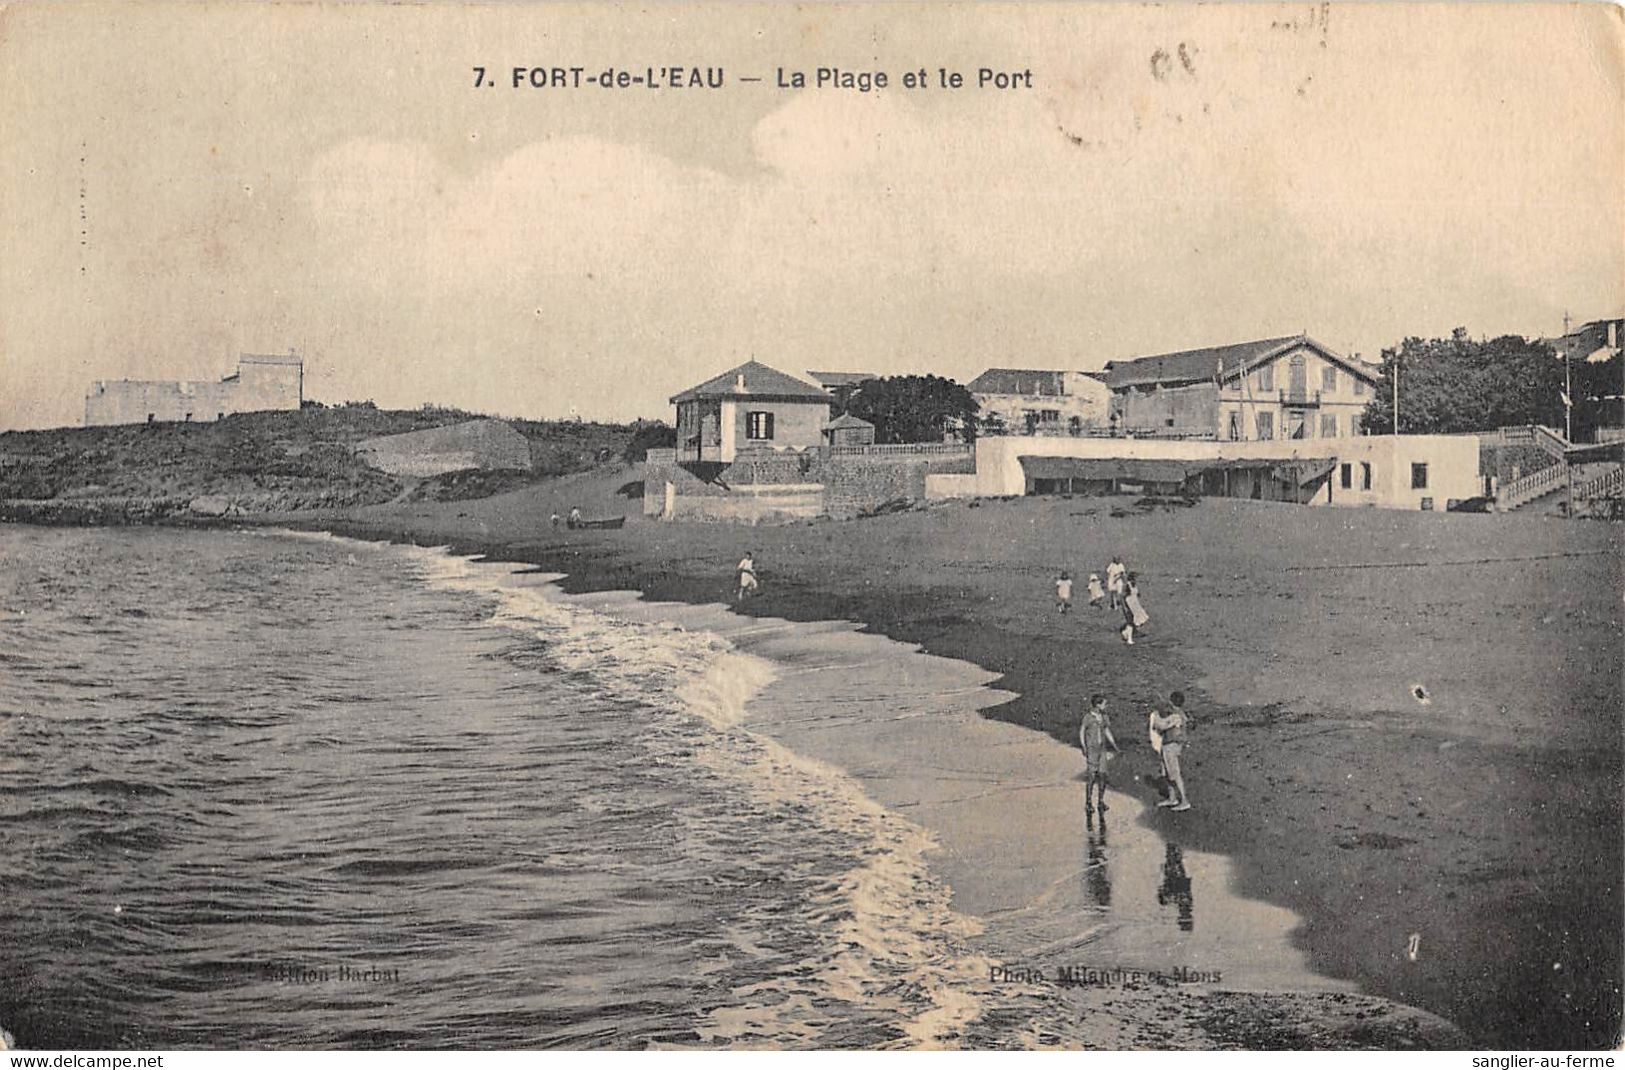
x=772 y=466
x=763 y=486
x=1182 y=409
x=1509 y=462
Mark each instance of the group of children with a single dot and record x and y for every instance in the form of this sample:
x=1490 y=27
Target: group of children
x=1168 y=734
x=1121 y=592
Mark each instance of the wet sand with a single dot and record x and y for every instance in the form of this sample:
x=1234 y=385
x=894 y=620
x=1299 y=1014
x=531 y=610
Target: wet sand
x=1088 y=915
x=1485 y=824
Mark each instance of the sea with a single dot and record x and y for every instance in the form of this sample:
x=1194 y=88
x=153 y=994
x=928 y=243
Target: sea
x=275 y=790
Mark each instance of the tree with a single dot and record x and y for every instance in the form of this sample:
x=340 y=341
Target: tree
x=1599 y=394
x=1451 y=385
x=655 y=435
x=915 y=408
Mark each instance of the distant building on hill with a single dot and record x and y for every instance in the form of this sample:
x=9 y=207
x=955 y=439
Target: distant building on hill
x=1592 y=342
x=1273 y=388
x=260 y=384
x=1031 y=401
x=751 y=406
x=840 y=385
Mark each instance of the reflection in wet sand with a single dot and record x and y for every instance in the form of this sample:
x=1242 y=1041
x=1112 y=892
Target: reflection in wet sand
x=1097 y=877
x=1176 y=887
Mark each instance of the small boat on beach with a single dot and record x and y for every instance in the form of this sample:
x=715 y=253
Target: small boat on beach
x=608 y=522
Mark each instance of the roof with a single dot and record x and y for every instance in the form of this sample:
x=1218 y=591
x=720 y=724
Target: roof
x=1161 y=470
x=846 y=421
x=1590 y=341
x=759 y=381
x=833 y=379
x=1198 y=365
x=1134 y=469
x=259 y=358
x=1029 y=381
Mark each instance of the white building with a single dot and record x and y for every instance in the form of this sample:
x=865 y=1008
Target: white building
x=260 y=384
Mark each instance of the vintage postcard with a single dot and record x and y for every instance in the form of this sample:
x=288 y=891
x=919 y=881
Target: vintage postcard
x=836 y=526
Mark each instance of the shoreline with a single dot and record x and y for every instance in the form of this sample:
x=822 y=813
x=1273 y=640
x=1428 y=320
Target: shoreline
x=1483 y=846
x=1022 y=892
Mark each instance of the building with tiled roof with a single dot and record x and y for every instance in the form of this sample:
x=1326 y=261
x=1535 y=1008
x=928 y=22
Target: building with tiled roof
x=751 y=406
x=1033 y=401
x=1288 y=387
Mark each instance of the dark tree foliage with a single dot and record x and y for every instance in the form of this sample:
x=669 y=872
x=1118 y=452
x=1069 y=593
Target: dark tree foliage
x=649 y=436
x=1456 y=384
x=1599 y=395
x=915 y=408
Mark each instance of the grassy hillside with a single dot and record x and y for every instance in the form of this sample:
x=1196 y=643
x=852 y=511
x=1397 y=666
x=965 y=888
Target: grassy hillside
x=267 y=461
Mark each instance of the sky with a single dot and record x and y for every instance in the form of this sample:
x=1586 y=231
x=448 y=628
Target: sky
x=184 y=183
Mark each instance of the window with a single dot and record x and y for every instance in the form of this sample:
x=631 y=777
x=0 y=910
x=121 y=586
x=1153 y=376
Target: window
x=151 y=416
x=1365 y=475
x=1266 y=377
x=1348 y=477
x=1169 y=422
x=1419 y=477
x=1266 y=426
x=759 y=426
x=1328 y=425
x=1235 y=427
x=219 y=416
x=1354 y=423
x=1328 y=378
x=1359 y=387
x=1049 y=416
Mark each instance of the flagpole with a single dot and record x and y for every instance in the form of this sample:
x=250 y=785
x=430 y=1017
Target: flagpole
x=1568 y=396
x=1396 y=392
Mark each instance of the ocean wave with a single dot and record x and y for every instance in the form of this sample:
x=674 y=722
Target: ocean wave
x=877 y=934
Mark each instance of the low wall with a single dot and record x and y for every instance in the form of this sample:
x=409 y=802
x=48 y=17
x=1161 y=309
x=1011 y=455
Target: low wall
x=938 y=487
x=757 y=504
x=764 y=485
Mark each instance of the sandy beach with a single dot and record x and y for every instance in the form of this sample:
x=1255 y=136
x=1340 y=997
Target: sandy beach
x=1454 y=852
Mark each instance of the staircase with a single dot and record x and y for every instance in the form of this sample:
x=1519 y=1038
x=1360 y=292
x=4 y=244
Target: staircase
x=1610 y=484
x=1537 y=484
x=1589 y=486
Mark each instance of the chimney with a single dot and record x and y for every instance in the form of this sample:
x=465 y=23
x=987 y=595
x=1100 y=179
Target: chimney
x=1613 y=334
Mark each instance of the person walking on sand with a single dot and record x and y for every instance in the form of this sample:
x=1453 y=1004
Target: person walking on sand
x=575 y=516
x=1095 y=737
x=1096 y=593
x=1134 y=614
x=1174 y=729
x=747 y=576
x=1114 y=581
x=1063 y=593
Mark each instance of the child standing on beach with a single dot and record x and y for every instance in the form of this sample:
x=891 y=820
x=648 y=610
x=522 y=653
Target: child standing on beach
x=1096 y=593
x=1063 y=593
x=747 y=575
x=1173 y=729
x=1095 y=737
x=1134 y=614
